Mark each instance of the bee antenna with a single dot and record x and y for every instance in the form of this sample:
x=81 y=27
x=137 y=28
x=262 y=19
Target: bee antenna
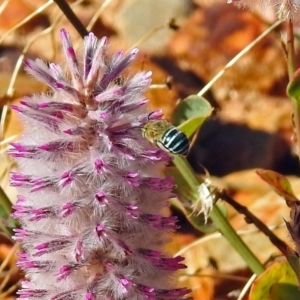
x=149 y=115
x=157 y=115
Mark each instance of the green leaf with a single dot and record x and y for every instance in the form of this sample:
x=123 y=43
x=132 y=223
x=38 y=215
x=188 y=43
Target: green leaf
x=279 y=272
x=191 y=113
x=293 y=88
x=284 y=291
x=5 y=203
x=6 y=221
x=279 y=184
x=295 y=264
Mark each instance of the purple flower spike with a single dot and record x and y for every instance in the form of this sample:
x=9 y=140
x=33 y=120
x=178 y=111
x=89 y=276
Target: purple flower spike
x=92 y=194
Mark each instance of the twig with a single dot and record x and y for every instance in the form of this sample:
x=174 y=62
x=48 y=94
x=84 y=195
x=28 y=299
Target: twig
x=247 y=287
x=11 y=253
x=9 y=291
x=68 y=12
x=290 y=48
x=97 y=14
x=250 y=218
x=237 y=57
x=25 y=20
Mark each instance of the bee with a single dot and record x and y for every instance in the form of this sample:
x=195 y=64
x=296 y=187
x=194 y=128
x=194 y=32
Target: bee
x=166 y=136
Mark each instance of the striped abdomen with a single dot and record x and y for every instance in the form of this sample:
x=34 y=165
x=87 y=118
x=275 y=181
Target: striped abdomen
x=174 y=141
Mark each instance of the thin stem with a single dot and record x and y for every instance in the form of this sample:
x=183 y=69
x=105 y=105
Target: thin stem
x=291 y=70
x=147 y=36
x=5 y=294
x=25 y=20
x=97 y=14
x=296 y=121
x=68 y=12
x=217 y=275
x=237 y=57
x=247 y=287
x=250 y=218
x=11 y=253
x=220 y=221
x=3 y=5
x=290 y=49
x=236 y=242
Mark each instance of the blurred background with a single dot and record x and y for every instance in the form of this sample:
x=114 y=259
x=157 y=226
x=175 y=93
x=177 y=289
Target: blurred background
x=185 y=44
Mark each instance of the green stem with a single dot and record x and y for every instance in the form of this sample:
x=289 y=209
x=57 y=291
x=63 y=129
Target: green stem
x=291 y=70
x=185 y=169
x=235 y=241
x=220 y=221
